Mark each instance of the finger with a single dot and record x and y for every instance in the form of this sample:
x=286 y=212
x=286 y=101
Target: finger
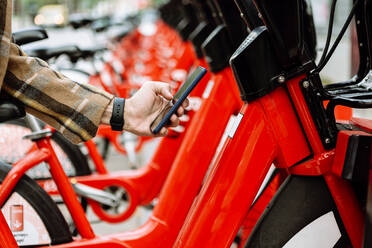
x=186 y=103
x=180 y=111
x=163 y=131
x=162 y=89
x=174 y=121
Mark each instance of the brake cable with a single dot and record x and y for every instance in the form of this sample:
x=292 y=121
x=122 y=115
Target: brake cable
x=338 y=39
x=330 y=29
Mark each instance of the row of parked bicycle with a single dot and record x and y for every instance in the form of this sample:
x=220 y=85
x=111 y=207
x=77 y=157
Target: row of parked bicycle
x=288 y=174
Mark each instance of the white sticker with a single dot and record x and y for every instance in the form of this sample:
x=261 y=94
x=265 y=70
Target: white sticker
x=25 y=223
x=235 y=125
x=208 y=89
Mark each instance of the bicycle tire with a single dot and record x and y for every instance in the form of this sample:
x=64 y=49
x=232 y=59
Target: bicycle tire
x=74 y=155
x=43 y=205
x=299 y=203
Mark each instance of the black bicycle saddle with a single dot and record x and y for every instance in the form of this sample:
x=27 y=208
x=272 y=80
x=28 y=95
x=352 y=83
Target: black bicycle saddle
x=29 y=35
x=11 y=109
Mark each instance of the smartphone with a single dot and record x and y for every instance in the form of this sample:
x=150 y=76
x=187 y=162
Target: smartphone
x=163 y=118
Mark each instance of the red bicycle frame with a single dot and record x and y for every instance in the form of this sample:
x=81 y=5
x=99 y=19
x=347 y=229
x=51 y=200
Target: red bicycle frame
x=269 y=131
x=6 y=236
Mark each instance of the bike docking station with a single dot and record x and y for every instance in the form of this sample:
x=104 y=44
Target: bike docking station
x=260 y=160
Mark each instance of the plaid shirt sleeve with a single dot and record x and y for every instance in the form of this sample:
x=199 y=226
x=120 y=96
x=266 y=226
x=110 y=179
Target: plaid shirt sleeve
x=73 y=109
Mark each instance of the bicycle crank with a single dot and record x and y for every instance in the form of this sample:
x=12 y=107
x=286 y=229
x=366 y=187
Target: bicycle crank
x=101 y=196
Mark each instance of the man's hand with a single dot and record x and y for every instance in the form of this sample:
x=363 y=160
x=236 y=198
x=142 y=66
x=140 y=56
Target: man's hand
x=143 y=107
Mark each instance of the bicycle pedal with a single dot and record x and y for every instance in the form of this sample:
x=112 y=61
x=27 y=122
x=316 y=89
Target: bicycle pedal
x=38 y=134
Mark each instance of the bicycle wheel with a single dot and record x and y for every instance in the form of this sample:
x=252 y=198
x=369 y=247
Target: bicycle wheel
x=301 y=214
x=13 y=148
x=32 y=215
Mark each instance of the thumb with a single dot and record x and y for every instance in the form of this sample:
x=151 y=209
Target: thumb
x=163 y=89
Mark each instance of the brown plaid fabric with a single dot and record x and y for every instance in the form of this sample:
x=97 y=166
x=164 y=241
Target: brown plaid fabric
x=73 y=109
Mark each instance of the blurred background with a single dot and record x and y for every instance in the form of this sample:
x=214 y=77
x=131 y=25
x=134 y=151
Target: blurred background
x=55 y=14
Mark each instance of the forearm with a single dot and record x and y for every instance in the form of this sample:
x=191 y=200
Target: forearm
x=73 y=109
x=107 y=114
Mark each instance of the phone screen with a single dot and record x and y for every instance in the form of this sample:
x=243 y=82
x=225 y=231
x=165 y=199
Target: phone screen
x=186 y=84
